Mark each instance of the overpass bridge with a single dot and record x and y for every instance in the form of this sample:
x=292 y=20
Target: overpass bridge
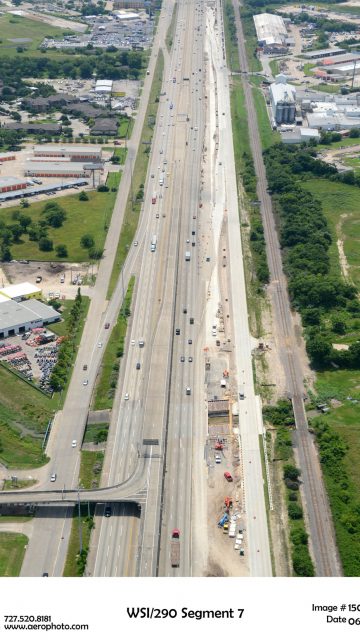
x=134 y=489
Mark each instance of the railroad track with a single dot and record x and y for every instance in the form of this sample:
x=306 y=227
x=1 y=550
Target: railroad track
x=322 y=536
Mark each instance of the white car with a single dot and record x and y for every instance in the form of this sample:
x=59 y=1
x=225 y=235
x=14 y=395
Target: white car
x=136 y=243
x=74 y=443
x=53 y=477
x=126 y=396
x=85 y=382
x=217 y=458
x=133 y=342
x=99 y=345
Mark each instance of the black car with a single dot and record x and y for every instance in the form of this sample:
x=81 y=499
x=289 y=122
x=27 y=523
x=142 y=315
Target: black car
x=177 y=332
x=138 y=365
x=107 y=512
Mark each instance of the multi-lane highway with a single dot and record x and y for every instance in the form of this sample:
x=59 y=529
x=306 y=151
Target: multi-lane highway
x=158 y=422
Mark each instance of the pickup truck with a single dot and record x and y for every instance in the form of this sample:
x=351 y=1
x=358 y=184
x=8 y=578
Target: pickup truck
x=175 y=548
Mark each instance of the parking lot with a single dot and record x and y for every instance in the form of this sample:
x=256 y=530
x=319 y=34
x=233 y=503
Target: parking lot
x=29 y=357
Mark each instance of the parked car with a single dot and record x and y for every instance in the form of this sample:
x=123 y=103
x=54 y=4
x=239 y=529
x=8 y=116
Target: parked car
x=228 y=476
x=107 y=325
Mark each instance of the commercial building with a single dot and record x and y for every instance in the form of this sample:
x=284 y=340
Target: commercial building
x=19 y=317
x=346 y=70
x=22 y=291
x=49 y=128
x=282 y=99
x=12 y=184
x=129 y=4
x=271 y=33
x=73 y=153
x=300 y=134
x=340 y=59
x=104 y=126
x=323 y=53
x=58 y=169
x=104 y=86
x=5 y=157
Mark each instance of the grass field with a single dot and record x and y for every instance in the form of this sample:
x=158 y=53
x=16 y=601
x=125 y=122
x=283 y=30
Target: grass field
x=239 y=122
x=341 y=200
x=74 y=565
x=90 y=216
x=132 y=211
x=107 y=379
x=171 y=30
x=90 y=469
x=232 y=54
x=92 y=431
x=345 y=142
x=12 y=551
x=267 y=135
x=274 y=66
x=12 y=27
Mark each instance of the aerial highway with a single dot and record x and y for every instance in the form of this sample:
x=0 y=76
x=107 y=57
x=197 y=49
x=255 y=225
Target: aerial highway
x=158 y=427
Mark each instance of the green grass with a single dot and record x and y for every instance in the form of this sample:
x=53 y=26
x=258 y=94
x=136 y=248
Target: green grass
x=92 y=431
x=125 y=127
x=107 y=379
x=341 y=199
x=132 y=211
x=12 y=551
x=120 y=154
x=345 y=142
x=90 y=216
x=308 y=68
x=267 y=135
x=239 y=122
x=232 y=54
x=327 y=88
x=18 y=27
x=74 y=567
x=90 y=469
x=171 y=30
x=274 y=66
x=10 y=485
x=250 y=42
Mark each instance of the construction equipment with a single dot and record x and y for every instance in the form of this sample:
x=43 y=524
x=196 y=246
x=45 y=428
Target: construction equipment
x=223 y=520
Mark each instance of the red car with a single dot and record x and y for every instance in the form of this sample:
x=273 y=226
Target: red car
x=107 y=325
x=228 y=476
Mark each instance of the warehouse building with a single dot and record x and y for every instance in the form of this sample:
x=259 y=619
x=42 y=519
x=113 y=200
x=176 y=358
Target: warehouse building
x=104 y=86
x=73 y=153
x=5 y=157
x=129 y=4
x=58 y=169
x=271 y=33
x=19 y=317
x=8 y=183
x=323 y=53
x=22 y=291
x=282 y=99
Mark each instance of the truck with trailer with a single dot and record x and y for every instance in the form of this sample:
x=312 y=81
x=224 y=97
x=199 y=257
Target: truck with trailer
x=175 y=548
x=187 y=256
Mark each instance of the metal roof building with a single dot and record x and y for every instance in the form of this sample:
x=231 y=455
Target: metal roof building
x=282 y=98
x=76 y=153
x=59 y=169
x=19 y=291
x=270 y=29
x=323 y=53
x=19 y=317
x=8 y=183
x=34 y=191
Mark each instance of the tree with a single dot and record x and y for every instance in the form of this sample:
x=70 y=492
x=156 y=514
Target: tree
x=61 y=251
x=24 y=222
x=103 y=187
x=291 y=472
x=87 y=241
x=45 y=244
x=319 y=349
x=83 y=196
x=55 y=215
x=16 y=231
x=295 y=511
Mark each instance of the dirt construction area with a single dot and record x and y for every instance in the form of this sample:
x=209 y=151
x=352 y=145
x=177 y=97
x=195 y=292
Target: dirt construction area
x=226 y=545
x=57 y=280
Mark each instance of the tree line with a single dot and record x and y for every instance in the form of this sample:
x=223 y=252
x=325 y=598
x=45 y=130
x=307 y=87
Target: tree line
x=328 y=305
